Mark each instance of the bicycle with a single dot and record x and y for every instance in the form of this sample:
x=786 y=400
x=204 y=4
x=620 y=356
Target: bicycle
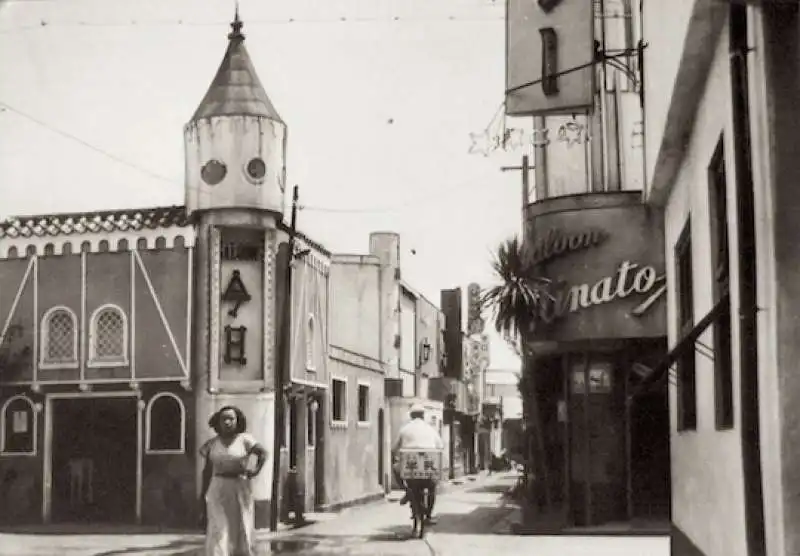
x=419 y=499
x=419 y=468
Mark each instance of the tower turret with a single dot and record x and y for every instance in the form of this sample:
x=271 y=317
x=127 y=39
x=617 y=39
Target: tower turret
x=235 y=144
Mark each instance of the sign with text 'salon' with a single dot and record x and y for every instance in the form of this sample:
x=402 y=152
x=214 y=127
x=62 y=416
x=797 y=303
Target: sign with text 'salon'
x=550 y=54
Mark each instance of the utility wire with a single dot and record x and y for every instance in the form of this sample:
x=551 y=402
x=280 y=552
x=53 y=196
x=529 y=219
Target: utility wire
x=87 y=144
x=44 y=23
x=312 y=208
x=424 y=200
x=603 y=58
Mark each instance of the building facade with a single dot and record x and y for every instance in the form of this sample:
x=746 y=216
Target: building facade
x=721 y=164
x=461 y=408
x=357 y=428
x=122 y=331
x=501 y=412
x=385 y=352
x=587 y=230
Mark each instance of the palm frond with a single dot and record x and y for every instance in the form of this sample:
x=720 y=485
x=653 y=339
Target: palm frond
x=517 y=300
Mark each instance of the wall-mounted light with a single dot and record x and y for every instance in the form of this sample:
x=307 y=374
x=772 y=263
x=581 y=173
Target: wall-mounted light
x=425 y=351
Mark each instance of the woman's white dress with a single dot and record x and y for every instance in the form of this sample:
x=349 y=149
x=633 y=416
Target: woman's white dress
x=229 y=500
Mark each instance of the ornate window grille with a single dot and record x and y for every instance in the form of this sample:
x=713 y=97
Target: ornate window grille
x=109 y=337
x=59 y=339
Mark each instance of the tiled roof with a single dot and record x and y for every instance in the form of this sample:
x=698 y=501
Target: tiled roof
x=92 y=222
x=236 y=89
x=109 y=221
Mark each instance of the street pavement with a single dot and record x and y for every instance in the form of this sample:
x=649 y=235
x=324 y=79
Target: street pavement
x=473 y=518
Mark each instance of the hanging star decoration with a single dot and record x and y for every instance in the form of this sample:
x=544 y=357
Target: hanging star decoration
x=572 y=133
x=496 y=136
x=540 y=137
x=481 y=143
x=513 y=139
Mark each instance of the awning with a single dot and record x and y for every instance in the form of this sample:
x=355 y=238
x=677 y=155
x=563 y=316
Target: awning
x=661 y=370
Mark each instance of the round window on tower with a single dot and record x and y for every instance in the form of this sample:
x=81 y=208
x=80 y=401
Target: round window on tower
x=256 y=169
x=213 y=172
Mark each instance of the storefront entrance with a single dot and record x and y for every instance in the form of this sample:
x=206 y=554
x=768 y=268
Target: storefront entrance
x=598 y=470
x=93 y=459
x=608 y=457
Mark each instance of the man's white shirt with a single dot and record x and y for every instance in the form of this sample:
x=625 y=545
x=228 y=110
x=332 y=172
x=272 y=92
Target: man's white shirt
x=418 y=435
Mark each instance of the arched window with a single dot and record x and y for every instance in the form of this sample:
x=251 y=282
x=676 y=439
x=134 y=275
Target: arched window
x=59 y=333
x=18 y=427
x=311 y=358
x=108 y=337
x=165 y=426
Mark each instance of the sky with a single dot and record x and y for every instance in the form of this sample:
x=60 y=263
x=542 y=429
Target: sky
x=380 y=98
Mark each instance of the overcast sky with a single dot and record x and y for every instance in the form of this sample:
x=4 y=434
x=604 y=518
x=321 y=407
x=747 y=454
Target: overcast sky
x=380 y=98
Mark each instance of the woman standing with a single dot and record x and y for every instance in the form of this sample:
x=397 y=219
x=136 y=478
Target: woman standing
x=227 y=489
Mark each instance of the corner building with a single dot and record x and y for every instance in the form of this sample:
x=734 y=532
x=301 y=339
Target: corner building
x=722 y=165
x=588 y=231
x=122 y=331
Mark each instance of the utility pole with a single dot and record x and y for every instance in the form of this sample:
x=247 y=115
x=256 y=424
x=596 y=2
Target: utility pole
x=526 y=169
x=283 y=363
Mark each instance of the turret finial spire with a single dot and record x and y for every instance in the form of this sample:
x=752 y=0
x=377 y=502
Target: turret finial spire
x=236 y=25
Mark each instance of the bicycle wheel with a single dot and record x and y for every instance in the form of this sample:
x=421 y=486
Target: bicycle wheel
x=422 y=511
x=417 y=511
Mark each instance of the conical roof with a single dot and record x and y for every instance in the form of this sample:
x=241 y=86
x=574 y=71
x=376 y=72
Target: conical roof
x=236 y=89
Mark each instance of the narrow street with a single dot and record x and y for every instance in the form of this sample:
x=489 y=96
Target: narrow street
x=472 y=518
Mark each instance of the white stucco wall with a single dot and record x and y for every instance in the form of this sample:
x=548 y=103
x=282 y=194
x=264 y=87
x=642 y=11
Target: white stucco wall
x=707 y=483
x=664 y=27
x=408 y=332
x=355 y=304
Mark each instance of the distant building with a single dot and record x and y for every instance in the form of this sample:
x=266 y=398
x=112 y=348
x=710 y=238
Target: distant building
x=385 y=344
x=501 y=415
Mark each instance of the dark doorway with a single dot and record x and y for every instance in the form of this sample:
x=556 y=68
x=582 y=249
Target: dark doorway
x=381 y=440
x=319 y=451
x=650 y=457
x=294 y=445
x=94 y=460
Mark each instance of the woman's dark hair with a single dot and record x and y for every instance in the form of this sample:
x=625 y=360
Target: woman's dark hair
x=241 y=420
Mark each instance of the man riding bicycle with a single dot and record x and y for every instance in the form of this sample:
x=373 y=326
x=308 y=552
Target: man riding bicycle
x=417 y=435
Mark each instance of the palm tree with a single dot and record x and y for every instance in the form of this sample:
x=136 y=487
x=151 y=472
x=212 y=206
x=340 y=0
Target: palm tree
x=516 y=303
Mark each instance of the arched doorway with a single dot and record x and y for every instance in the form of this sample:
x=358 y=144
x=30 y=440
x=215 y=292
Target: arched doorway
x=381 y=443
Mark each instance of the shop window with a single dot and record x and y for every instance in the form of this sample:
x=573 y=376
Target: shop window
x=310 y=342
x=18 y=427
x=723 y=357
x=59 y=333
x=165 y=426
x=339 y=401
x=108 y=337
x=363 y=403
x=687 y=390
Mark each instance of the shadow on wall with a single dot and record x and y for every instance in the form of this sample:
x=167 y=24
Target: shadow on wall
x=20 y=492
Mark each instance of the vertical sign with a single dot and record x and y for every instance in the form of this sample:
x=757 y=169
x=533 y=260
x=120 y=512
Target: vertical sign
x=453 y=337
x=550 y=52
x=475 y=322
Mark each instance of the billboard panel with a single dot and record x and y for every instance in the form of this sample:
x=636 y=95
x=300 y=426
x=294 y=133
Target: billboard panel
x=549 y=56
